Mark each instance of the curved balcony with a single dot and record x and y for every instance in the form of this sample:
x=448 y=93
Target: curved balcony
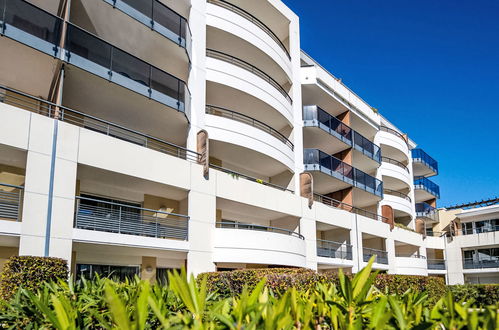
x=226 y=113
x=426 y=212
x=243 y=13
x=99 y=215
x=159 y=18
x=397 y=194
x=347 y=207
x=248 y=243
x=425 y=189
x=396 y=142
x=423 y=164
x=395 y=162
x=400 y=202
x=317 y=161
x=249 y=67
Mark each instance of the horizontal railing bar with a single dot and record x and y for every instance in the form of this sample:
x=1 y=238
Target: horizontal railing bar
x=347 y=207
x=395 y=162
x=11 y=185
x=213 y=109
x=248 y=226
x=396 y=193
x=394 y=132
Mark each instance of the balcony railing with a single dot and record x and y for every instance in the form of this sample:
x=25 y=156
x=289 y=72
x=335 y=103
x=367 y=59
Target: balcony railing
x=238 y=175
x=381 y=256
x=313 y=116
x=425 y=210
x=125 y=219
x=396 y=193
x=99 y=57
x=246 y=226
x=366 y=147
x=427 y=185
x=394 y=162
x=330 y=249
x=316 y=160
x=226 y=113
x=40 y=106
x=419 y=156
x=394 y=132
x=477 y=264
x=11 y=197
x=480 y=230
x=41 y=30
x=438 y=264
x=158 y=17
x=347 y=207
x=252 y=19
x=249 y=67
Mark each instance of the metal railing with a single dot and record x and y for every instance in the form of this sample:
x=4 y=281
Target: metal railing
x=40 y=106
x=476 y=264
x=418 y=155
x=415 y=256
x=317 y=160
x=438 y=264
x=428 y=185
x=366 y=147
x=381 y=256
x=331 y=249
x=249 y=178
x=316 y=117
x=251 y=18
x=157 y=17
x=394 y=132
x=226 y=113
x=247 y=226
x=249 y=67
x=394 y=162
x=347 y=207
x=480 y=230
x=11 y=197
x=99 y=215
x=396 y=193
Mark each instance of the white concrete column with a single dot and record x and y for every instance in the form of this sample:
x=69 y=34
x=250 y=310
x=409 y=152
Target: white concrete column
x=309 y=231
x=392 y=261
x=357 y=245
x=454 y=262
x=38 y=194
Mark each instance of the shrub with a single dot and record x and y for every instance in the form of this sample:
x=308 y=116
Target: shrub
x=481 y=294
x=230 y=283
x=30 y=273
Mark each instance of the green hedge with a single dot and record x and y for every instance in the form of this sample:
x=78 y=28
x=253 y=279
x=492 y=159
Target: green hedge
x=482 y=294
x=230 y=283
x=30 y=273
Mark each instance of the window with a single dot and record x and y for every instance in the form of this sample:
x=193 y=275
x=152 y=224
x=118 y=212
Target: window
x=467 y=228
x=115 y=272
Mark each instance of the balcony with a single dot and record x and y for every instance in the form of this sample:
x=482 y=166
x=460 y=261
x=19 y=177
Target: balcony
x=245 y=226
x=11 y=197
x=425 y=189
x=397 y=194
x=233 y=115
x=427 y=212
x=158 y=17
x=436 y=264
x=381 y=256
x=104 y=216
x=479 y=264
x=330 y=249
x=317 y=161
x=422 y=164
x=211 y=53
x=347 y=207
x=415 y=264
x=74 y=117
x=395 y=162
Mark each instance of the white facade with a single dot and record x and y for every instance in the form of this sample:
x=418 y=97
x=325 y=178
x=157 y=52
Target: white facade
x=110 y=170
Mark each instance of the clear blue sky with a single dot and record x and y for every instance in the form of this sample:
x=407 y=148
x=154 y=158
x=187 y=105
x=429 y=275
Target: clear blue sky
x=431 y=67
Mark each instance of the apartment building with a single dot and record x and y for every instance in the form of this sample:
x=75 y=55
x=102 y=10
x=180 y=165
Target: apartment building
x=140 y=136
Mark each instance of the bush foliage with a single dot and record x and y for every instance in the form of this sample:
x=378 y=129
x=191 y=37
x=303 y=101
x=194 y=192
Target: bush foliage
x=352 y=304
x=482 y=294
x=30 y=273
x=230 y=283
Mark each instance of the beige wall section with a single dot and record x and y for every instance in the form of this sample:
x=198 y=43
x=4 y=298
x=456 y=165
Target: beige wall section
x=6 y=253
x=445 y=217
x=148 y=269
x=161 y=204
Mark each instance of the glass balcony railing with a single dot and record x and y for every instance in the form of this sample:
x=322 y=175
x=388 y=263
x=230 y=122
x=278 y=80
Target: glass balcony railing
x=95 y=55
x=10 y=202
x=316 y=160
x=100 y=215
x=427 y=185
x=330 y=249
x=313 y=116
x=419 y=156
x=159 y=18
x=381 y=256
x=425 y=210
x=469 y=263
x=30 y=25
x=247 y=226
x=437 y=264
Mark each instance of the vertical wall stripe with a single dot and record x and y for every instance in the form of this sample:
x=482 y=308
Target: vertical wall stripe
x=51 y=189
